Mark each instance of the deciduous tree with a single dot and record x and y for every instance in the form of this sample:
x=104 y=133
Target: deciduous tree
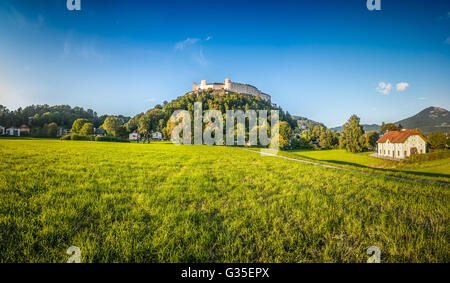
x=111 y=125
x=388 y=127
x=437 y=140
x=371 y=139
x=78 y=125
x=352 y=136
x=87 y=129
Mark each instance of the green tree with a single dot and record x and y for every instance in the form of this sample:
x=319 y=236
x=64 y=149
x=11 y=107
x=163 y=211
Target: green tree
x=388 y=127
x=111 y=125
x=87 y=130
x=300 y=143
x=371 y=139
x=326 y=139
x=133 y=124
x=437 y=140
x=352 y=135
x=122 y=132
x=285 y=132
x=313 y=133
x=52 y=130
x=153 y=120
x=78 y=125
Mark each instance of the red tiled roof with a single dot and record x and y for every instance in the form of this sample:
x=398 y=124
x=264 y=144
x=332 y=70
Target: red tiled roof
x=399 y=136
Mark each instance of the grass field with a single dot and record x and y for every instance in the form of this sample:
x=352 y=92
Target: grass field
x=122 y=202
x=434 y=170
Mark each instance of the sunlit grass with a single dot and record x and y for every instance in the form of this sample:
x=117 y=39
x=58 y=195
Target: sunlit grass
x=434 y=170
x=159 y=202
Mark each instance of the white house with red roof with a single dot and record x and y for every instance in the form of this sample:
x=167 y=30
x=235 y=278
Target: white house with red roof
x=401 y=144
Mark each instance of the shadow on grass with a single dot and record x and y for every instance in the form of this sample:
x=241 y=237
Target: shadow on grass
x=346 y=164
x=387 y=170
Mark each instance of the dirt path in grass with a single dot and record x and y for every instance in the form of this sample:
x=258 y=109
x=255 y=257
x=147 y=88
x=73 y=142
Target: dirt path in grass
x=346 y=169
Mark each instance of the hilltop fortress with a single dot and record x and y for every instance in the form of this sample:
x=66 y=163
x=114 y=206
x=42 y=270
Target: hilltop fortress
x=229 y=87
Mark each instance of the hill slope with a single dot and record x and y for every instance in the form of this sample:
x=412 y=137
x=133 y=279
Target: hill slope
x=158 y=117
x=303 y=122
x=429 y=120
x=366 y=127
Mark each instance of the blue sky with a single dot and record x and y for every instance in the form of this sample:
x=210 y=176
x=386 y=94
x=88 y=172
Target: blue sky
x=324 y=60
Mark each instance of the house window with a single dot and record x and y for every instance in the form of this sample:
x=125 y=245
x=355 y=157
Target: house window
x=398 y=153
x=405 y=152
x=389 y=152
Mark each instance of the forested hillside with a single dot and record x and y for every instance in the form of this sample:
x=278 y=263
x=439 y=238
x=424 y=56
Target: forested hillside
x=39 y=115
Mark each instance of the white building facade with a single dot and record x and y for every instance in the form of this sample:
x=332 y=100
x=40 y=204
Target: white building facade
x=401 y=144
x=157 y=136
x=13 y=132
x=230 y=86
x=134 y=136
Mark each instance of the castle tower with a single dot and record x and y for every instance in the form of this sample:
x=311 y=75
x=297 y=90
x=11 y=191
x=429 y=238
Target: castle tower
x=227 y=84
x=203 y=83
x=194 y=86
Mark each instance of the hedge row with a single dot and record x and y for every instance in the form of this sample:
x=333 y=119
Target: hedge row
x=110 y=139
x=75 y=137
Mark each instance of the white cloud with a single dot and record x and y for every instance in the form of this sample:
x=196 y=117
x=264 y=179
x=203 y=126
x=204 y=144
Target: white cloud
x=187 y=42
x=402 y=86
x=199 y=57
x=67 y=49
x=384 y=88
x=87 y=50
x=194 y=49
x=422 y=98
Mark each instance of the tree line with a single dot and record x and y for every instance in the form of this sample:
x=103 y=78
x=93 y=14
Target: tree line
x=45 y=120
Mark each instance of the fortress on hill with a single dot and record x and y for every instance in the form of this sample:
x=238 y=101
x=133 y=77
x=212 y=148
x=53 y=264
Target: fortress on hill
x=229 y=87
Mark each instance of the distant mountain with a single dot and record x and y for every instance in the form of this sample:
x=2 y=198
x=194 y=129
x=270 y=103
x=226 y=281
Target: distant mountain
x=429 y=120
x=303 y=122
x=366 y=127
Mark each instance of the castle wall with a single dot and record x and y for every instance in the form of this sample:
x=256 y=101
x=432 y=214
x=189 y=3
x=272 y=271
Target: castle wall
x=232 y=87
x=264 y=96
x=210 y=86
x=243 y=88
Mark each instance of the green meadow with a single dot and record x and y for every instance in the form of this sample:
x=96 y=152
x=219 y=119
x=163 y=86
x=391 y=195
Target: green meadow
x=128 y=202
x=434 y=166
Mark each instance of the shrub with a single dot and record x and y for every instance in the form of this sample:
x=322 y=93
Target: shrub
x=76 y=137
x=432 y=155
x=66 y=137
x=300 y=143
x=437 y=140
x=110 y=139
